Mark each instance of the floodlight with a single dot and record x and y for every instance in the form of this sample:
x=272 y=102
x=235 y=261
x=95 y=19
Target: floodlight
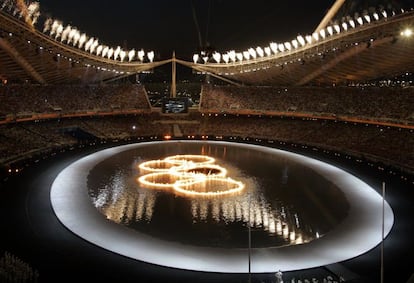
x=54 y=27
x=122 y=55
x=239 y=56
x=252 y=53
x=330 y=30
x=59 y=31
x=99 y=50
x=110 y=52
x=76 y=38
x=322 y=33
x=88 y=44
x=131 y=55
x=47 y=25
x=116 y=52
x=288 y=45
x=195 y=58
x=225 y=58
x=301 y=40
x=141 y=55
x=95 y=43
x=105 y=51
x=407 y=32
x=71 y=35
x=82 y=40
x=65 y=33
x=273 y=46
x=267 y=51
x=232 y=55
x=259 y=51
x=217 y=57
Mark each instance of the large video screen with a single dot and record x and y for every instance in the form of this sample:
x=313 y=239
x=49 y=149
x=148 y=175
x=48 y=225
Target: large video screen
x=175 y=105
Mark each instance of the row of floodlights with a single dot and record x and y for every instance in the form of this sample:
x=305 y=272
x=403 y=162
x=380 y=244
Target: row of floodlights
x=72 y=36
x=300 y=41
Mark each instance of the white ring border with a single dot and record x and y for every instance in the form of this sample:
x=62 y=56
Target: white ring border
x=360 y=231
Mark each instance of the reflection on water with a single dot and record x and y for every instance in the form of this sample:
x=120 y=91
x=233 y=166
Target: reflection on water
x=283 y=203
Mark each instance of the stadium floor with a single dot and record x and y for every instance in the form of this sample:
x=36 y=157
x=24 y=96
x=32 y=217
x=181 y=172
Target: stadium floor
x=31 y=231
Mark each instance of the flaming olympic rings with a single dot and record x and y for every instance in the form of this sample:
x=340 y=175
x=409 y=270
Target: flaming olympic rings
x=188 y=175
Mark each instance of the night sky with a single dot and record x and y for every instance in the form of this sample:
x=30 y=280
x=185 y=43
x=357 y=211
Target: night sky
x=186 y=26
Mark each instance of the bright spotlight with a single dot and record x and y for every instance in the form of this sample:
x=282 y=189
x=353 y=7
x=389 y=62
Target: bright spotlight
x=141 y=55
x=150 y=56
x=131 y=55
x=82 y=40
x=322 y=33
x=110 y=52
x=259 y=51
x=239 y=56
x=122 y=55
x=407 y=32
x=232 y=55
x=252 y=53
x=217 y=57
x=225 y=58
x=267 y=51
x=330 y=30
x=99 y=50
x=301 y=40
x=273 y=46
x=105 y=51
x=195 y=58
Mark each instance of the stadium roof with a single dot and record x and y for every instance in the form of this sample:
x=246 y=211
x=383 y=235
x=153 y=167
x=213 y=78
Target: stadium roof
x=369 y=47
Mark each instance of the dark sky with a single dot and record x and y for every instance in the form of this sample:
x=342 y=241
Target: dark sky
x=167 y=25
x=184 y=26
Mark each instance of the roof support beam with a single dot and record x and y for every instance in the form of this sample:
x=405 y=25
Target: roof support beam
x=331 y=13
x=13 y=53
x=343 y=56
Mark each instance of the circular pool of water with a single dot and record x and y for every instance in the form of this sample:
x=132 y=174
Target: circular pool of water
x=294 y=212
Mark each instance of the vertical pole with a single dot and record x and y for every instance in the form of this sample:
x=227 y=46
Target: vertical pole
x=250 y=243
x=173 y=93
x=382 y=235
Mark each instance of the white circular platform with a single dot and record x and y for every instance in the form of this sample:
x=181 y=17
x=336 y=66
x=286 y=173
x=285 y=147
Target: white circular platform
x=360 y=231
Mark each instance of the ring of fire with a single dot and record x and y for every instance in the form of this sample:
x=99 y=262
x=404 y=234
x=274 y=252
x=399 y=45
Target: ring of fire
x=188 y=175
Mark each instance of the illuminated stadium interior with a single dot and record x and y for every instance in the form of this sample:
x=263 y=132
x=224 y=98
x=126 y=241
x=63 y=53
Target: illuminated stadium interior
x=340 y=93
